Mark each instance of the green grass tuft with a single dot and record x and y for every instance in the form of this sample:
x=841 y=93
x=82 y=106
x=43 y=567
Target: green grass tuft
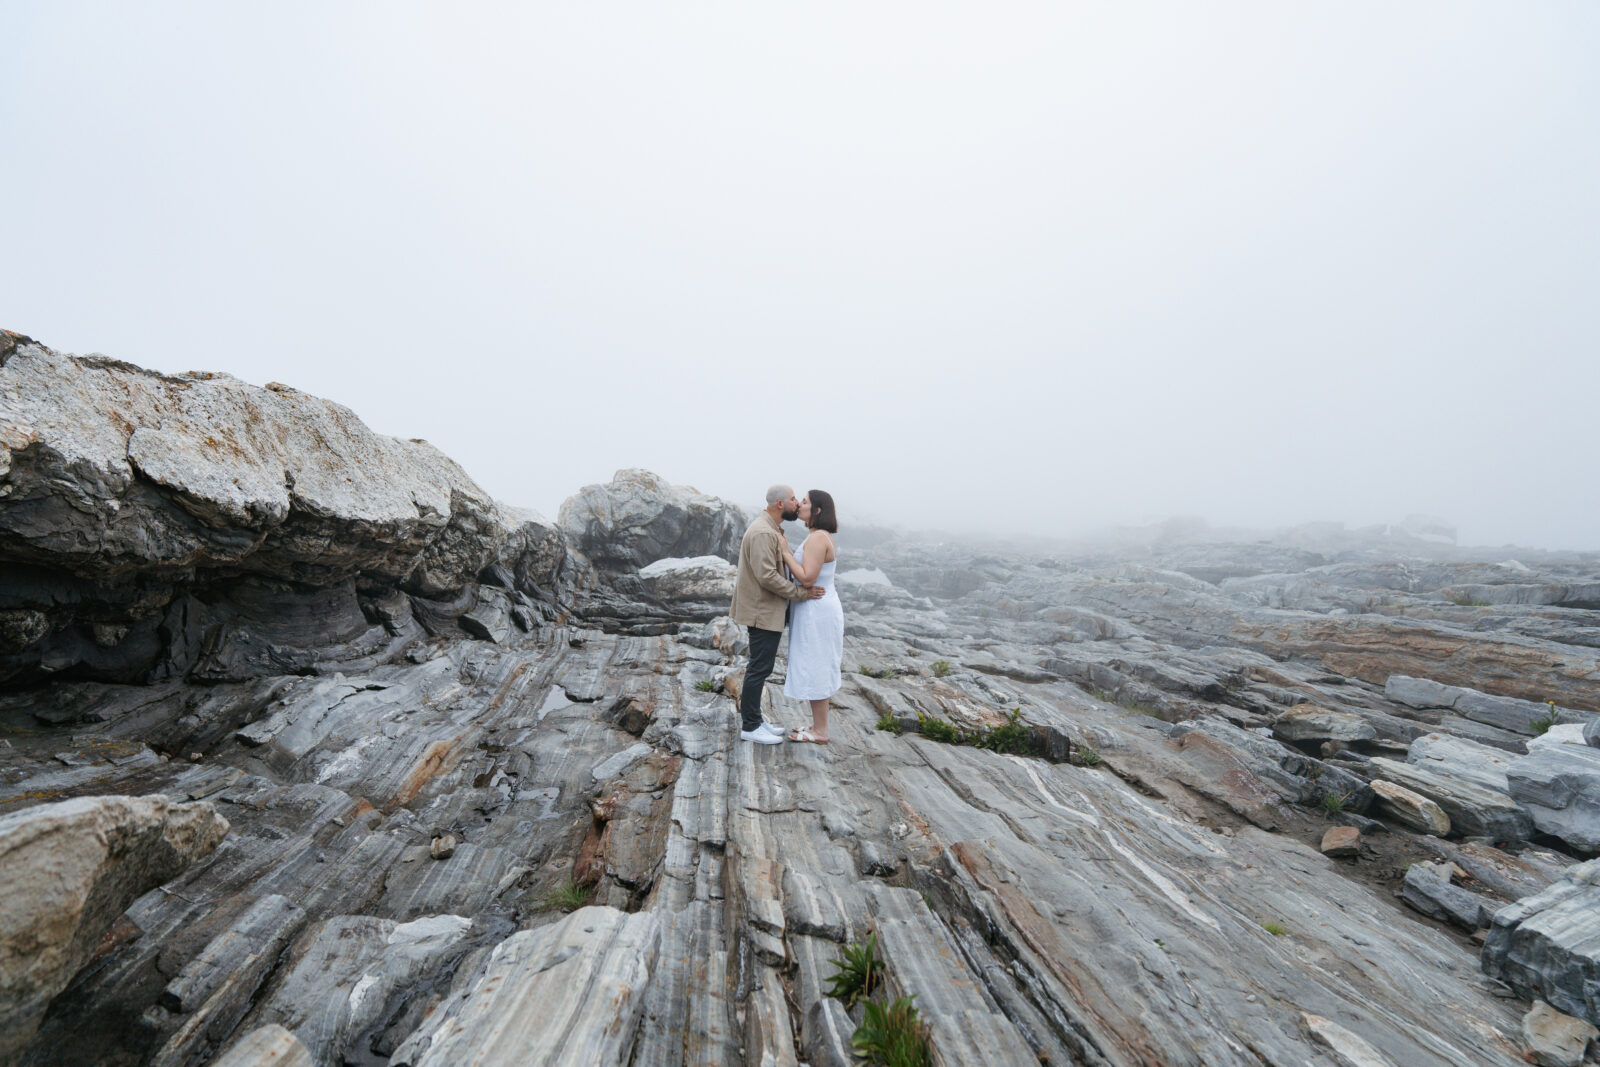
x=1274 y=927
x=569 y=897
x=941 y=668
x=1333 y=803
x=1463 y=600
x=860 y=972
x=936 y=729
x=888 y=723
x=706 y=685
x=1013 y=737
x=892 y=1035
x=1088 y=756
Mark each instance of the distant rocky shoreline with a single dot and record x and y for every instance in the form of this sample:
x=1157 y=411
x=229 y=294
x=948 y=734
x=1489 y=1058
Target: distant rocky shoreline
x=312 y=752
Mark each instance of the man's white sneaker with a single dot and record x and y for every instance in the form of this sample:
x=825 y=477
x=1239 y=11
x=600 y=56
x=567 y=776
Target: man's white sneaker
x=762 y=735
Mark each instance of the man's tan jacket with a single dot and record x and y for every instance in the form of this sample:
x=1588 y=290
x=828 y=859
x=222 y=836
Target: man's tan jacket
x=761 y=594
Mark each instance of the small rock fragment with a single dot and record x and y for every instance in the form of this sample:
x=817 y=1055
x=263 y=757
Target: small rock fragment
x=1341 y=841
x=1554 y=1039
x=443 y=847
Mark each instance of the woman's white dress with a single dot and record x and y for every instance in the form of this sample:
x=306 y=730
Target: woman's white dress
x=816 y=643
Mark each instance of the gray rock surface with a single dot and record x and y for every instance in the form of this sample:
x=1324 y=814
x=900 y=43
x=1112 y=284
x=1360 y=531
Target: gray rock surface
x=638 y=518
x=1547 y=946
x=1473 y=810
x=568 y=993
x=126 y=492
x=67 y=870
x=1560 y=788
x=270 y=1046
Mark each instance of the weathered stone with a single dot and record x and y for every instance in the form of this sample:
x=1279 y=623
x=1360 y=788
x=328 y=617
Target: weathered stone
x=1307 y=722
x=639 y=518
x=1554 y=1039
x=443 y=846
x=67 y=870
x=1560 y=788
x=1410 y=809
x=1472 y=810
x=346 y=972
x=1435 y=896
x=567 y=993
x=270 y=1046
x=1348 y=1050
x=1341 y=842
x=1547 y=946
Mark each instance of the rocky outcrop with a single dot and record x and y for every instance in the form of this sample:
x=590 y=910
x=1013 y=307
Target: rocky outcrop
x=638 y=518
x=67 y=870
x=1559 y=785
x=156 y=525
x=1547 y=946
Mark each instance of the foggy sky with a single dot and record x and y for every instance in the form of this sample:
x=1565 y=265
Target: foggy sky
x=1028 y=269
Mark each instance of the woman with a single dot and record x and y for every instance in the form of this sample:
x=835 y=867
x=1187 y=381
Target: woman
x=816 y=627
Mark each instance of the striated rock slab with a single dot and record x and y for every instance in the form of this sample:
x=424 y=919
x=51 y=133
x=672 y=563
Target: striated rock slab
x=568 y=993
x=1410 y=809
x=1458 y=759
x=345 y=973
x=1433 y=894
x=1473 y=810
x=1547 y=946
x=1505 y=712
x=67 y=870
x=1307 y=722
x=270 y=1046
x=1560 y=787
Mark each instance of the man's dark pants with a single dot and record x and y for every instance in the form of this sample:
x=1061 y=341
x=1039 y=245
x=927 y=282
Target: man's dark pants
x=763 y=651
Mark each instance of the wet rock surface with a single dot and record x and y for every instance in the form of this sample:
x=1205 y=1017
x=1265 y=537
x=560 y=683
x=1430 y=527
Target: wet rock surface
x=1077 y=793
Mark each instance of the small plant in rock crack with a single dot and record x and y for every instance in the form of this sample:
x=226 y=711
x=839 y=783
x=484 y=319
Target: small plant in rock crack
x=1274 y=927
x=935 y=729
x=892 y=1035
x=1088 y=756
x=1013 y=738
x=569 y=897
x=888 y=723
x=860 y=972
x=1333 y=803
x=1540 y=725
x=941 y=668
x=706 y=685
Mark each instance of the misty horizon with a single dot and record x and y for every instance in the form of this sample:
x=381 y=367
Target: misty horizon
x=1035 y=272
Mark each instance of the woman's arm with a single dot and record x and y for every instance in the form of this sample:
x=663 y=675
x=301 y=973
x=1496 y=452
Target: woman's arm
x=812 y=556
x=812 y=552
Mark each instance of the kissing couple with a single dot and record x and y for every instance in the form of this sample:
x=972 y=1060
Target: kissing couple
x=774 y=586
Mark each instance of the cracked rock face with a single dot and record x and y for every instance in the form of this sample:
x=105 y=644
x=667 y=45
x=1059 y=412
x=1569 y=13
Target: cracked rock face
x=67 y=870
x=1078 y=797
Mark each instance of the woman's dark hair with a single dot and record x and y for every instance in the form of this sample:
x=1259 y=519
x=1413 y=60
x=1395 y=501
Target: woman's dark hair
x=823 y=516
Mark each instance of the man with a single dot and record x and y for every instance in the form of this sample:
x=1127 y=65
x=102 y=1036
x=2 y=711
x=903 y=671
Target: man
x=761 y=602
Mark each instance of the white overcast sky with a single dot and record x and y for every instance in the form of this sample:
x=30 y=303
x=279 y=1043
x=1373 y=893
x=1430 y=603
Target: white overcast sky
x=1023 y=267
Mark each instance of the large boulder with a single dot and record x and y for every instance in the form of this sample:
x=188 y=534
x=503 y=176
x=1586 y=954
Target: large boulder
x=67 y=871
x=1547 y=946
x=639 y=518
